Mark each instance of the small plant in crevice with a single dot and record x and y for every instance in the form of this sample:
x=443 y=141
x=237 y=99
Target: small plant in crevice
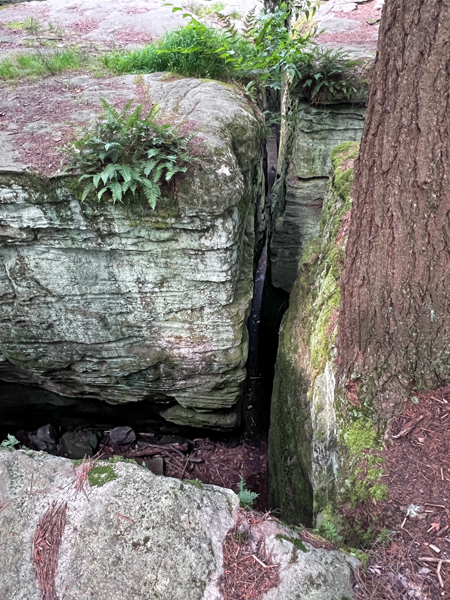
x=10 y=442
x=328 y=530
x=327 y=74
x=246 y=497
x=195 y=482
x=129 y=155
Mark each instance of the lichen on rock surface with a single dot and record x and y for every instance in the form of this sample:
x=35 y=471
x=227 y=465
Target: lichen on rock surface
x=303 y=441
x=142 y=536
x=122 y=303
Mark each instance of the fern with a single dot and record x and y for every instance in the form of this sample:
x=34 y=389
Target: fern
x=246 y=497
x=129 y=155
x=328 y=531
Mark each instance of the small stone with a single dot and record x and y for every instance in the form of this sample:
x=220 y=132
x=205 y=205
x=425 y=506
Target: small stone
x=41 y=445
x=48 y=434
x=155 y=465
x=350 y=7
x=78 y=444
x=171 y=439
x=122 y=435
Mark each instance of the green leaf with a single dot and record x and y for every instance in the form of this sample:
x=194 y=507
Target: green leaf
x=101 y=192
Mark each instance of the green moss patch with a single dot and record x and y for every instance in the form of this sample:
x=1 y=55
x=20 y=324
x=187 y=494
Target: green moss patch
x=101 y=475
x=195 y=482
x=363 y=466
x=323 y=260
x=296 y=542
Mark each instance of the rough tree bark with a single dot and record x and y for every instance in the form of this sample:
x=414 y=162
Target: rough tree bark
x=394 y=324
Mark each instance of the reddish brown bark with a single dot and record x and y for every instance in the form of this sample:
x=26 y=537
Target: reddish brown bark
x=394 y=326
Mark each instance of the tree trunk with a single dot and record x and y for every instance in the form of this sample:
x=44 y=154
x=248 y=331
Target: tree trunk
x=394 y=324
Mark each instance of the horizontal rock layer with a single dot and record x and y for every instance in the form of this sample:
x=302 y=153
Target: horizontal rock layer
x=310 y=135
x=123 y=303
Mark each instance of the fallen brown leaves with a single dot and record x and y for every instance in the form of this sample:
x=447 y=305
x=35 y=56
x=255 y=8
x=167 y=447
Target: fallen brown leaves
x=249 y=571
x=417 y=563
x=46 y=544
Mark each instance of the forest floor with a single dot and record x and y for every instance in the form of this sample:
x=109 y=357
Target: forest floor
x=413 y=561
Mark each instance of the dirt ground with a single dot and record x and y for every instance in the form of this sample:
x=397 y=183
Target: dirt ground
x=415 y=562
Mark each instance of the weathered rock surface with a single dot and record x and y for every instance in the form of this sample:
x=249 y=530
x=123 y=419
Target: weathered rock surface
x=136 y=535
x=307 y=140
x=127 y=24
x=120 y=303
x=303 y=434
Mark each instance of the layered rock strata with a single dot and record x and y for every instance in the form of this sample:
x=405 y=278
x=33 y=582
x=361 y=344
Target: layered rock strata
x=304 y=432
x=125 y=303
x=308 y=136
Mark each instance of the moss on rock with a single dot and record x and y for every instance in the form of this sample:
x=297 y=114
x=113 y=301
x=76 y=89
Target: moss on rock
x=100 y=475
x=303 y=445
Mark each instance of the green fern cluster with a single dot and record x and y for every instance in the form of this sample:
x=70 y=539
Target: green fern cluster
x=129 y=155
x=246 y=497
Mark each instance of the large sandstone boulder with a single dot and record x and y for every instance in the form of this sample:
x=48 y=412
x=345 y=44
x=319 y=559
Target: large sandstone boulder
x=122 y=533
x=123 y=303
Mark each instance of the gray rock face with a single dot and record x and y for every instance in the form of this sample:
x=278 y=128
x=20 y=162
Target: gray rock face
x=127 y=304
x=135 y=535
x=300 y=191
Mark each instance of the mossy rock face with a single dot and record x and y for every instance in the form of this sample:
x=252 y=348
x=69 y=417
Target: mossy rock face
x=303 y=443
x=125 y=303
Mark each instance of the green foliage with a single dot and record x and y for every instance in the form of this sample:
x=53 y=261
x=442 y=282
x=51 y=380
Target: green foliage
x=10 y=442
x=262 y=52
x=325 y=75
x=384 y=536
x=204 y=11
x=274 y=52
x=129 y=155
x=193 y=51
x=360 y=555
x=101 y=474
x=240 y=537
x=328 y=530
x=195 y=482
x=42 y=63
x=246 y=497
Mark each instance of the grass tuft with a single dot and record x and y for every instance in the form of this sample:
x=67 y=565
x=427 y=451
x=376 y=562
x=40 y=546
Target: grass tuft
x=190 y=51
x=42 y=63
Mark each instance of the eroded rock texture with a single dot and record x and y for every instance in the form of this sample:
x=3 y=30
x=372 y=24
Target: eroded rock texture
x=131 y=534
x=303 y=437
x=309 y=135
x=123 y=303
